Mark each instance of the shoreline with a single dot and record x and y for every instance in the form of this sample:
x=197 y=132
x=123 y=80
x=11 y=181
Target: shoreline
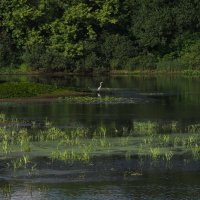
x=106 y=73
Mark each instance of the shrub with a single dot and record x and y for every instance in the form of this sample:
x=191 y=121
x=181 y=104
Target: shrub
x=142 y=62
x=9 y=56
x=190 y=55
x=117 y=49
x=170 y=62
x=187 y=55
x=38 y=57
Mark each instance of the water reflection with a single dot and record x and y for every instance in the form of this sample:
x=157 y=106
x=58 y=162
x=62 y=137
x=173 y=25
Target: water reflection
x=173 y=99
x=152 y=186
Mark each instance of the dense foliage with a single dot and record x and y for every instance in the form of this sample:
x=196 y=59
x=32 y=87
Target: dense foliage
x=99 y=35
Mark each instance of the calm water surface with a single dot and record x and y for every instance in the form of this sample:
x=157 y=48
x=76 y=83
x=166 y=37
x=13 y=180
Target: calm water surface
x=170 y=98
x=163 y=98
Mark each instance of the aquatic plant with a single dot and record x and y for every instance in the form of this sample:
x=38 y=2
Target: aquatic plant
x=78 y=133
x=168 y=156
x=124 y=141
x=145 y=128
x=193 y=128
x=128 y=155
x=195 y=150
x=6 y=191
x=47 y=123
x=102 y=131
x=104 y=143
x=81 y=144
x=20 y=162
x=165 y=140
x=174 y=126
x=154 y=153
x=2 y=117
x=177 y=141
x=70 y=155
x=24 y=140
x=5 y=146
x=148 y=140
x=191 y=140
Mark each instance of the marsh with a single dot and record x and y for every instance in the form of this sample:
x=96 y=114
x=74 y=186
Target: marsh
x=140 y=140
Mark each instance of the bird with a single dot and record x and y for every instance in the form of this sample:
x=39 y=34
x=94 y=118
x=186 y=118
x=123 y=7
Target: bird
x=99 y=88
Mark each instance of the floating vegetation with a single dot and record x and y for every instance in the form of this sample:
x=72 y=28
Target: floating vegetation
x=82 y=144
x=101 y=100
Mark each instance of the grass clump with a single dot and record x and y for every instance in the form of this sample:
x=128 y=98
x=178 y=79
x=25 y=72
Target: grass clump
x=195 y=150
x=154 y=153
x=193 y=128
x=145 y=128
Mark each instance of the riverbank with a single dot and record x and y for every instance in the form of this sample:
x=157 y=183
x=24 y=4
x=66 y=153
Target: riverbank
x=156 y=72
x=188 y=72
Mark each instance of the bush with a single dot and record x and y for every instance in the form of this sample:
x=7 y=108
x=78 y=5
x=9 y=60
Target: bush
x=190 y=55
x=23 y=68
x=9 y=56
x=142 y=62
x=187 y=55
x=91 y=61
x=33 y=56
x=170 y=62
x=38 y=57
x=116 y=50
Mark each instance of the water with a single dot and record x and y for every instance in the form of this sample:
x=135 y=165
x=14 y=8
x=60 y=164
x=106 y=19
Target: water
x=167 y=98
x=179 y=100
x=151 y=186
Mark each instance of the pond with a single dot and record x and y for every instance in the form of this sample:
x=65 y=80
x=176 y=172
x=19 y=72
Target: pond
x=138 y=139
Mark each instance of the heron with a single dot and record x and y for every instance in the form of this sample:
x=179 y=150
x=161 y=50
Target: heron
x=99 y=88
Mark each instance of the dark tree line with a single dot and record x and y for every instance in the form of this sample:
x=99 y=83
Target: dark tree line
x=99 y=35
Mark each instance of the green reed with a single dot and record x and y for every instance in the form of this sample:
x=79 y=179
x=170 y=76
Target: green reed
x=20 y=162
x=154 y=153
x=6 y=191
x=193 y=128
x=82 y=144
x=168 y=156
x=145 y=128
x=195 y=151
x=2 y=117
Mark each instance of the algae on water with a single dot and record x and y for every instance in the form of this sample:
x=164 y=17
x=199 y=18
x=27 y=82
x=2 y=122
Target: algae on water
x=81 y=144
